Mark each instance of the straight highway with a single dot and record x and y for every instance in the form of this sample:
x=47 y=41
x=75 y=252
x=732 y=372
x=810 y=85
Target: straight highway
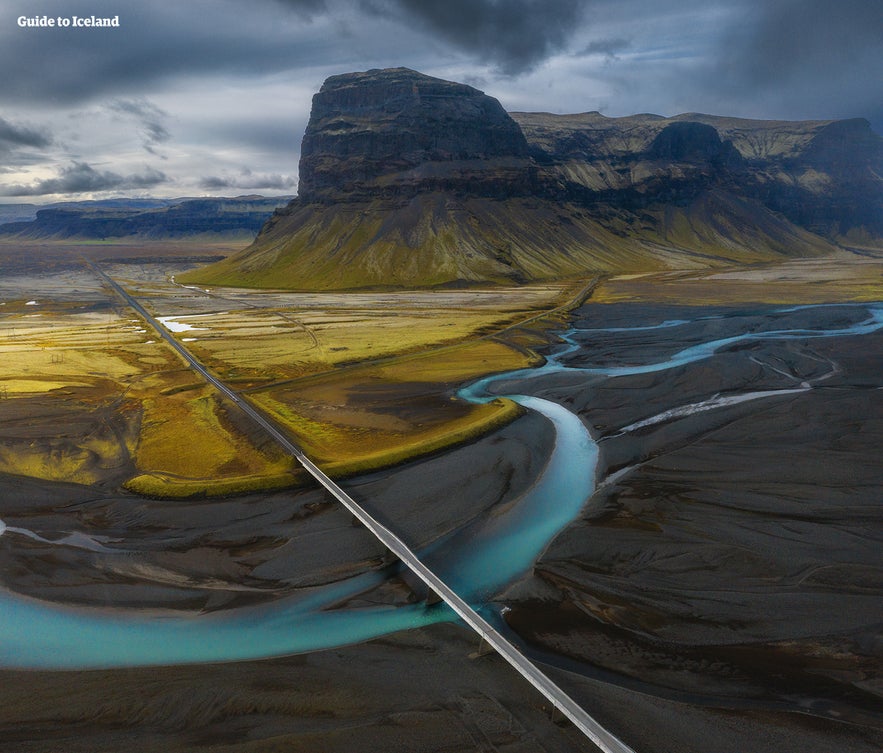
x=593 y=730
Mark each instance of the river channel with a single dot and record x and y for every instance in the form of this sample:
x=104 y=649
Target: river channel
x=477 y=562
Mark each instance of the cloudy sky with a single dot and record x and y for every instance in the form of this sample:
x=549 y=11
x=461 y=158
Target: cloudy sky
x=211 y=97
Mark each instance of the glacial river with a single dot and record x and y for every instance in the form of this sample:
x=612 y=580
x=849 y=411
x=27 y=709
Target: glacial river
x=480 y=560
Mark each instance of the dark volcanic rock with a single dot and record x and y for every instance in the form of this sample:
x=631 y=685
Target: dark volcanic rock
x=837 y=186
x=845 y=148
x=686 y=141
x=396 y=132
x=823 y=176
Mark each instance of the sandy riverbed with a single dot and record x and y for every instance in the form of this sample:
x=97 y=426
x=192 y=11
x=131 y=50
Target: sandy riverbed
x=730 y=560
x=720 y=592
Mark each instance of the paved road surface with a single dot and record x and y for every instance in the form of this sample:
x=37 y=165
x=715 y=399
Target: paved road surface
x=605 y=740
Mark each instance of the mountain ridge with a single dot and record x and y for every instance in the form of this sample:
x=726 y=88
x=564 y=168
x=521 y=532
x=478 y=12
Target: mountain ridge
x=410 y=180
x=149 y=219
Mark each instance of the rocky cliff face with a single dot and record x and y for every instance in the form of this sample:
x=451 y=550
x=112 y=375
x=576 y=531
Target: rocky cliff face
x=410 y=180
x=824 y=176
x=396 y=133
x=687 y=141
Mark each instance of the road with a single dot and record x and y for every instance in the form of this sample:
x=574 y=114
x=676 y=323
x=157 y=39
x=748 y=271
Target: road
x=601 y=737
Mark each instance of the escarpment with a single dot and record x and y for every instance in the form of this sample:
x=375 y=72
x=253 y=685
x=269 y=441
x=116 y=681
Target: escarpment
x=409 y=180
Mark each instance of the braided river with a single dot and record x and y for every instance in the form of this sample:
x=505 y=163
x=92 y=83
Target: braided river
x=478 y=561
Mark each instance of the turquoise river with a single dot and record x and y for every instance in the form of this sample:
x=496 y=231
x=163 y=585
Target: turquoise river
x=481 y=561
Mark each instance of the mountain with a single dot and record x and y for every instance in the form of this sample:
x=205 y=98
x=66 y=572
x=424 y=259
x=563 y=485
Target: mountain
x=825 y=176
x=398 y=133
x=28 y=212
x=410 y=180
x=242 y=216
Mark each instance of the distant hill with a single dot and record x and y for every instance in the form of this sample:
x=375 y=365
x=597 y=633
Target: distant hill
x=153 y=219
x=28 y=212
x=411 y=180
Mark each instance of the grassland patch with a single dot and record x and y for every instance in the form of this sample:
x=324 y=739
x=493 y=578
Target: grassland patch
x=372 y=416
x=803 y=281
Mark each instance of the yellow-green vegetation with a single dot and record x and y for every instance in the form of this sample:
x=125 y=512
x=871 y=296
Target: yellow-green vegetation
x=364 y=380
x=91 y=394
x=293 y=335
x=373 y=416
x=345 y=450
x=95 y=397
x=432 y=240
x=164 y=486
x=64 y=414
x=188 y=446
x=845 y=278
x=57 y=459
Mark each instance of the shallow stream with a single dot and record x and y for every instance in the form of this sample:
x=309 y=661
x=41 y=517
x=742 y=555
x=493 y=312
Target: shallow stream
x=478 y=562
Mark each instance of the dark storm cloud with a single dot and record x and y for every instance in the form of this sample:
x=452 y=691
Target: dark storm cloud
x=15 y=136
x=156 y=41
x=514 y=35
x=807 y=55
x=787 y=38
x=149 y=118
x=80 y=177
x=167 y=39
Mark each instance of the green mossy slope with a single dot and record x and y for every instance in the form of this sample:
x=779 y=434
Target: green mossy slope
x=433 y=239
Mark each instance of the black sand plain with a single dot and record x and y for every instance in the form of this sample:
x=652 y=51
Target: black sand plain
x=720 y=592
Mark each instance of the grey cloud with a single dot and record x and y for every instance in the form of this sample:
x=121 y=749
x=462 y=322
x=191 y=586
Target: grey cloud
x=149 y=118
x=807 y=37
x=156 y=41
x=248 y=179
x=515 y=35
x=607 y=47
x=307 y=8
x=80 y=177
x=14 y=136
x=281 y=137
x=213 y=182
x=807 y=55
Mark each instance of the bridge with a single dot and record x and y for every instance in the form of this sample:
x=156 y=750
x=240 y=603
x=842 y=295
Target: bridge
x=590 y=727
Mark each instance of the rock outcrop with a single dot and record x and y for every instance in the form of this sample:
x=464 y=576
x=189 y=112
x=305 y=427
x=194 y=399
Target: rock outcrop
x=824 y=176
x=686 y=141
x=410 y=180
x=397 y=133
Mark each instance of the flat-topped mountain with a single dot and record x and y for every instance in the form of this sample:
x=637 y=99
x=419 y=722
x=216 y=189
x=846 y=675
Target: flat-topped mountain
x=407 y=180
x=397 y=133
x=145 y=219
